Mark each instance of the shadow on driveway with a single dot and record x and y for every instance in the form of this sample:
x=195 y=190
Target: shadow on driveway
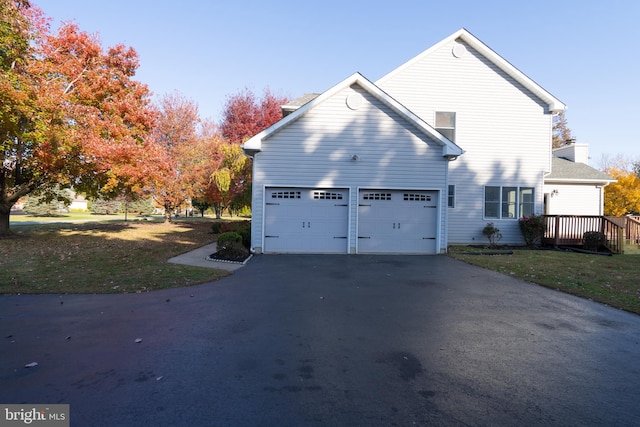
x=344 y=340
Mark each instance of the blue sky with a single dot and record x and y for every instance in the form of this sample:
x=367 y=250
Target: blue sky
x=584 y=52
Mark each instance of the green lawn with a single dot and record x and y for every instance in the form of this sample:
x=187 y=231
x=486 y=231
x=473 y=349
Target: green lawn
x=102 y=257
x=612 y=280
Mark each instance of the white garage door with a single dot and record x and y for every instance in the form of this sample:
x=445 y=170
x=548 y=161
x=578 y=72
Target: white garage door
x=392 y=221
x=306 y=220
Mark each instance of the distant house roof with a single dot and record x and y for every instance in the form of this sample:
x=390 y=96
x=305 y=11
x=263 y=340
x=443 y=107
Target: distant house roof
x=554 y=104
x=299 y=102
x=564 y=170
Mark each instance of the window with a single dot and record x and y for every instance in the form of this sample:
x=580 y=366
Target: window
x=285 y=195
x=527 y=201
x=376 y=196
x=327 y=195
x=451 y=196
x=446 y=124
x=508 y=202
x=417 y=197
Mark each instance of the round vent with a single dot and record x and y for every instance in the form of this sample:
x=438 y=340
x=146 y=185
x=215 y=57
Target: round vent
x=459 y=50
x=355 y=101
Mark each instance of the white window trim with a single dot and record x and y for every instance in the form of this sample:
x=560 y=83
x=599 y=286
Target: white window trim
x=518 y=202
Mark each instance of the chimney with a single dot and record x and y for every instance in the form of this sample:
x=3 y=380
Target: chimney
x=577 y=153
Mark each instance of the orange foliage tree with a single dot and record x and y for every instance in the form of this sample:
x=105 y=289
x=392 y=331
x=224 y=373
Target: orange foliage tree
x=71 y=114
x=622 y=197
x=244 y=116
x=187 y=158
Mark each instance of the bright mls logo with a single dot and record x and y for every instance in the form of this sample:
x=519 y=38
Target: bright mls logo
x=36 y=415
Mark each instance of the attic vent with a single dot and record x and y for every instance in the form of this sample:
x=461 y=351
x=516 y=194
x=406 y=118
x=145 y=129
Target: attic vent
x=459 y=50
x=412 y=197
x=285 y=195
x=354 y=101
x=376 y=196
x=327 y=195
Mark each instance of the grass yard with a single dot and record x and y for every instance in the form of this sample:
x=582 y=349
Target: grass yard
x=612 y=280
x=102 y=257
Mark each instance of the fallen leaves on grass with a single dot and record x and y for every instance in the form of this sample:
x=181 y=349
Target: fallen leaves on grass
x=102 y=258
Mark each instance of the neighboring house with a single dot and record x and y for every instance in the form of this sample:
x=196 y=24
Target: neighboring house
x=573 y=187
x=79 y=203
x=425 y=157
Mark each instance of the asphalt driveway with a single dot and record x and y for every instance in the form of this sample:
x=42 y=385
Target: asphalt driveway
x=296 y=340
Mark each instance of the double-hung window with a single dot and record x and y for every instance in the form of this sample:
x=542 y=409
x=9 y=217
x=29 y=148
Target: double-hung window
x=446 y=124
x=451 y=196
x=508 y=202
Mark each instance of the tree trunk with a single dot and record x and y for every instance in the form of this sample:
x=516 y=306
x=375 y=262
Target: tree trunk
x=5 y=214
x=168 y=211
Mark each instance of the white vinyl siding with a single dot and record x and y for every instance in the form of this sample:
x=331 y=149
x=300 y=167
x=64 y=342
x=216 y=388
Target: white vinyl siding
x=504 y=129
x=574 y=199
x=333 y=146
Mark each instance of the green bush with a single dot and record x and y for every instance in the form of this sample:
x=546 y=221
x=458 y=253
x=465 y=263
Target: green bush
x=492 y=233
x=216 y=227
x=532 y=229
x=228 y=238
x=593 y=240
x=246 y=236
x=230 y=246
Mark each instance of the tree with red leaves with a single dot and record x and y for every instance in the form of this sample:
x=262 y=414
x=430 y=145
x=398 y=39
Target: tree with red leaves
x=71 y=114
x=245 y=116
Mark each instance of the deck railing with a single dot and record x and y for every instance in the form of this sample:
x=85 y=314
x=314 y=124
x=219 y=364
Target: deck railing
x=632 y=230
x=569 y=230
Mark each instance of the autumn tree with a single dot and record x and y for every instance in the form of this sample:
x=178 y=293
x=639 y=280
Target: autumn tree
x=561 y=131
x=245 y=115
x=71 y=114
x=623 y=196
x=228 y=181
x=188 y=158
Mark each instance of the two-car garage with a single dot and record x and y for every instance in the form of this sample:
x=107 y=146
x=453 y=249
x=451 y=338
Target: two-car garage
x=317 y=220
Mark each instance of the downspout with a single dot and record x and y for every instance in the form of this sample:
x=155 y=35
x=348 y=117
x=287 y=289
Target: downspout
x=251 y=154
x=445 y=206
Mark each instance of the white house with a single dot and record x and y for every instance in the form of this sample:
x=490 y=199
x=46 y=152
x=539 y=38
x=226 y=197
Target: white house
x=425 y=157
x=573 y=186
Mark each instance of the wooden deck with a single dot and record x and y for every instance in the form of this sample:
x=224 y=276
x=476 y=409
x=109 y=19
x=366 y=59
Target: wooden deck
x=568 y=230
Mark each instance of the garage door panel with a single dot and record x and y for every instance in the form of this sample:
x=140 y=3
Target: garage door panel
x=306 y=220
x=397 y=221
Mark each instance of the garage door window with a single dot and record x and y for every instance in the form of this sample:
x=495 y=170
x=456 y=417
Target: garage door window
x=376 y=196
x=285 y=195
x=327 y=195
x=412 y=197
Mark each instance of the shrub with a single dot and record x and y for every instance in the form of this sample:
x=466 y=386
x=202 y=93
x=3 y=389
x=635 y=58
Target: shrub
x=492 y=233
x=216 y=227
x=226 y=239
x=245 y=232
x=234 y=252
x=593 y=240
x=532 y=229
x=230 y=246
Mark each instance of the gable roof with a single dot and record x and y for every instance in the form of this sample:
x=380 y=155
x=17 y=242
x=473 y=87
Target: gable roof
x=564 y=170
x=449 y=148
x=554 y=104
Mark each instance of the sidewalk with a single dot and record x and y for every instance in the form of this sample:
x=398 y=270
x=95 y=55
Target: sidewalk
x=198 y=258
